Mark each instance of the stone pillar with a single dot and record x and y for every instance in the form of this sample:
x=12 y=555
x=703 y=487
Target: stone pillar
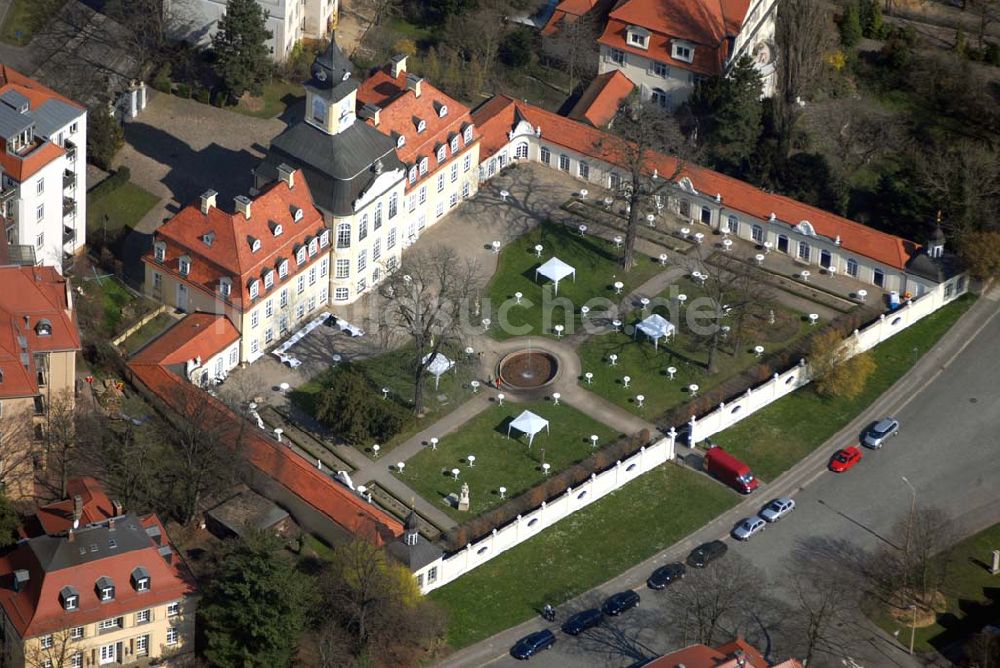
x=995 y=567
x=691 y=435
x=133 y=98
x=142 y=95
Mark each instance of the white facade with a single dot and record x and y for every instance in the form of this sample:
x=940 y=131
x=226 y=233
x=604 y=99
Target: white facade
x=47 y=210
x=215 y=369
x=288 y=20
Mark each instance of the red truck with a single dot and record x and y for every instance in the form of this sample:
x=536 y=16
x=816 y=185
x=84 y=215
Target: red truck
x=722 y=465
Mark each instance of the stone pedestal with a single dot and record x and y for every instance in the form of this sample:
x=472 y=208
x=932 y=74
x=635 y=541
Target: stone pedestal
x=463 y=498
x=995 y=566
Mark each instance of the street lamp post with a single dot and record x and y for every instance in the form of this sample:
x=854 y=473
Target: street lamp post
x=907 y=555
x=913 y=626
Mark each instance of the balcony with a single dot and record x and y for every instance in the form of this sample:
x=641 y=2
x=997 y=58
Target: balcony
x=69 y=179
x=69 y=234
x=69 y=206
x=70 y=150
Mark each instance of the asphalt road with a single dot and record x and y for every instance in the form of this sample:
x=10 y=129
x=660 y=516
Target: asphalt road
x=949 y=409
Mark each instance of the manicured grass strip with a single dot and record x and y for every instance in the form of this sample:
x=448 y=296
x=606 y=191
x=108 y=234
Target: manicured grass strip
x=499 y=460
x=597 y=269
x=278 y=95
x=775 y=438
x=971 y=601
x=148 y=332
x=125 y=206
x=580 y=552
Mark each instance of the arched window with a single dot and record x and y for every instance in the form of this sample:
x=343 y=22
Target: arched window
x=277 y=230
x=443 y=111
x=159 y=251
x=363 y=229
x=319 y=110
x=467 y=135
x=521 y=152
x=400 y=141
x=344 y=235
x=804 y=251
x=421 y=125
x=660 y=98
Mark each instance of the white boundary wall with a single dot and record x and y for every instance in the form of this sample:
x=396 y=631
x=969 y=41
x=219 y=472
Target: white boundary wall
x=524 y=527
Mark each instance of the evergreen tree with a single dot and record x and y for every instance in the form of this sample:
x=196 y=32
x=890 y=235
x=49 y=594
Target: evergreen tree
x=243 y=59
x=253 y=610
x=870 y=18
x=104 y=137
x=730 y=116
x=850 y=24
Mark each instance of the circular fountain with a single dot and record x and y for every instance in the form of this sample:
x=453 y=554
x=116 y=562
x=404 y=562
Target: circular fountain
x=528 y=369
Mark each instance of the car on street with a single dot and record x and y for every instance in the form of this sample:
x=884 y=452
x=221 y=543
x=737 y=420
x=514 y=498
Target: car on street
x=618 y=603
x=532 y=644
x=880 y=432
x=845 y=459
x=777 y=509
x=665 y=575
x=706 y=553
x=748 y=527
x=582 y=621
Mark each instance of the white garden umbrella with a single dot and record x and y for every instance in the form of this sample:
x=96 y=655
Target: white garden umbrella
x=656 y=327
x=555 y=270
x=528 y=423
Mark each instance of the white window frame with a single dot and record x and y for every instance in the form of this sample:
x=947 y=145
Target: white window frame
x=617 y=56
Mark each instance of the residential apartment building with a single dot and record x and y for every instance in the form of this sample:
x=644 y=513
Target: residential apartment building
x=665 y=46
x=94 y=585
x=264 y=267
x=385 y=158
x=815 y=239
x=38 y=344
x=43 y=163
x=290 y=21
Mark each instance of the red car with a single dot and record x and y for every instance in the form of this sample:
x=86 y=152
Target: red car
x=845 y=459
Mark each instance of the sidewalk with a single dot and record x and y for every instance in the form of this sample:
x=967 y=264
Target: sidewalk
x=924 y=372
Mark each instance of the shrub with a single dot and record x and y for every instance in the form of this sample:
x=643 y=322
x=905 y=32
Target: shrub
x=517 y=48
x=992 y=53
x=850 y=25
x=220 y=98
x=202 y=95
x=183 y=90
x=356 y=412
x=104 y=137
x=407 y=46
x=161 y=81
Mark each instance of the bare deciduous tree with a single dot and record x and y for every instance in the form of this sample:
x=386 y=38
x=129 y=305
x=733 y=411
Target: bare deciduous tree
x=575 y=46
x=61 y=417
x=912 y=570
x=57 y=650
x=17 y=453
x=424 y=301
x=719 y=597
x=823 y=604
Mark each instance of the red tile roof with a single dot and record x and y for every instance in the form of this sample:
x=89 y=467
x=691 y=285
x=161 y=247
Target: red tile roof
x=37 y=93
x=706 y=23
x=703 y=656
x=329 y=498
x=602 y=99
x=401 y=110
x=58 y=517
x=568 y=11
x=494 y=119
x=53 y=563
x=24 y=166
x=196 y=335
x=29 y=296
x=737 y=195
x=230 y=253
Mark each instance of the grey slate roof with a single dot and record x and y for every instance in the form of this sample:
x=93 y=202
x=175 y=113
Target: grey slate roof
x=15 y=100
x=416 y=556
x=13 y=123
x=54 y=115
x=90 y=544
x=938 y=270
x=337 y=167
x=247 y=510
x=331 y=73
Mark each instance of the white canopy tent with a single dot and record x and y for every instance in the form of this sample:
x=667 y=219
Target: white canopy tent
x=656 y=327
x=438 y=366
x=528 y=423
x=555 y=270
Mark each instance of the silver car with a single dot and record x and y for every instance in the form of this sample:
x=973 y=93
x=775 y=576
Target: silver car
x=880 y=432
x=748 y=527
x=777 y=509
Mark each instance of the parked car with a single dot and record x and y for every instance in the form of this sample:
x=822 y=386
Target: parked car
x=706 y=553
x=582 y=621
x=748 y=527
x=665 y=575
x=730 y=470
x=777 y=509
x=879 y=433
x=618 y=603
x=845 y=459
x=532 y=644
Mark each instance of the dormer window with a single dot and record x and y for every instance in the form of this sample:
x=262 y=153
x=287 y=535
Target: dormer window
x=276 y=229
x=300 y=255
x=454 y=144
x=423 y=166
x=682 y=52
x=225 y=286
x=442 y=153
x=296 y=214
x=638 y=37
x=69 y=597
x=140 y=579
x=254 y=244
x=208 y=239
x=400 y=141
x=313 y=247
x=268 y=279
x=43 y=328
x=442 y=111
x=413 y=174
x=184 y=265
x=467 y=135
x=105 y=588
x=254 y=288
x=159 y=251
x=421 y=125
x=282 y=268
x=324 y=238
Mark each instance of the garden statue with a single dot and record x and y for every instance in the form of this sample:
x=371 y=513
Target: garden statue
x=770 y=317
x=463 y=499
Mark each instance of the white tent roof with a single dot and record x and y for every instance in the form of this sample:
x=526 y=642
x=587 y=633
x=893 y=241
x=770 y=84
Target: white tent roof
x=529 y=423
x=656 y=326
x=439 y=365
x=555 y=270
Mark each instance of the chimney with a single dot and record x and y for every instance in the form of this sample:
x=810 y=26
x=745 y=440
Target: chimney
x=70 y=535
x=111 y=524
x=77 y=510
x=27 y=322
x=371 y=111
x=21 y=578
x=286 y=175
x=243 y=205
x=398 y=65
x=208 y=201
x=413 y=83
x=117 y=508
x=741 y=658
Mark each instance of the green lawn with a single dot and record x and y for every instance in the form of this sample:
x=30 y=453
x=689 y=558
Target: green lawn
x=580 y=552
x=970 y=594
x=278 y=96
x=773 y=439
x=499 y=460
x=114 y=300
x=596 y=264
x=391 y=370
x=647 y=366
x=148 y=332
x=124 y=206
x=20 y=19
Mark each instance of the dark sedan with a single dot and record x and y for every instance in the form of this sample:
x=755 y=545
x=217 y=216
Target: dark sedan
x=706 y=553
x=582 y=621
x=532 y=644
x=665 y=575
x=620 y=602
